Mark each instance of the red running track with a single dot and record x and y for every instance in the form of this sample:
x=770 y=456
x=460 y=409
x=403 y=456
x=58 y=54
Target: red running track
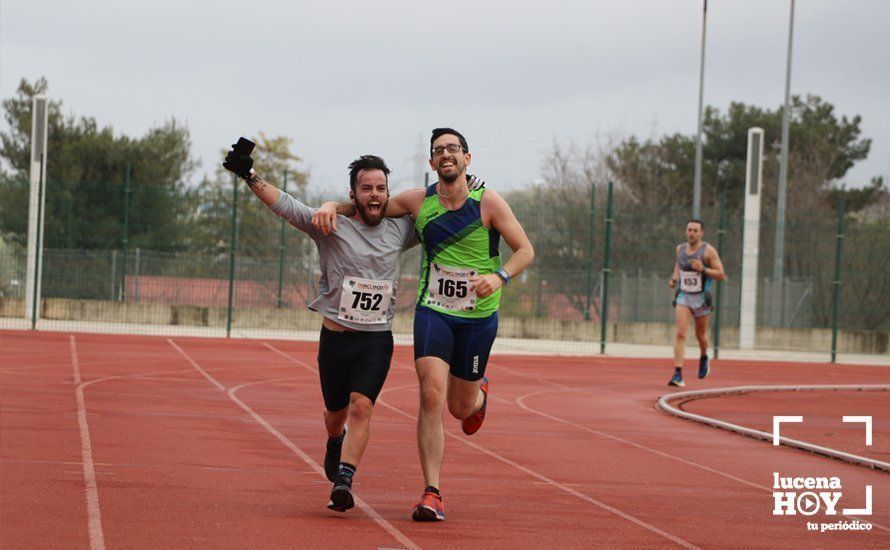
x=148 y=442
x=822 y=411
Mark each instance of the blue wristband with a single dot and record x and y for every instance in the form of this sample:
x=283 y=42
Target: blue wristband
x=502 y=273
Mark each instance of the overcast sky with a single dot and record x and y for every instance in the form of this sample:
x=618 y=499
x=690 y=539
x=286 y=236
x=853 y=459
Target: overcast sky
x=346 y=78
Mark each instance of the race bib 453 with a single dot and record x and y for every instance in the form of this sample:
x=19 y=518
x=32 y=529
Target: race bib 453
x=691 y=281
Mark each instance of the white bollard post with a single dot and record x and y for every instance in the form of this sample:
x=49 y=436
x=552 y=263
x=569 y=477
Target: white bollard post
x=36 y=202
x=751 y=238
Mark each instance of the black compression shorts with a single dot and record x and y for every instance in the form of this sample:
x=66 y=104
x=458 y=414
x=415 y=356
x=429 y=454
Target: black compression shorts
x=352 y=362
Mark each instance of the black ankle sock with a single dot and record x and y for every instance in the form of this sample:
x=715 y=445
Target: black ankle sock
x=339 y=438
x=344 y=474
x=678 y=370
x=431 y=489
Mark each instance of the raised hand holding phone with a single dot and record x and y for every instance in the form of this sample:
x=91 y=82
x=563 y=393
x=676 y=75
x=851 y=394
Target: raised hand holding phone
x=238 y=160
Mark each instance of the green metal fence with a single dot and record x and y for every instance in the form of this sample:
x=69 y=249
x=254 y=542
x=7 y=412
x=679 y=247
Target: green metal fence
x=144 y=257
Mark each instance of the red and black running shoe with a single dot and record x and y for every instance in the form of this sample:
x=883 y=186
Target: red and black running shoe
x=472 y=423
x=430 y=508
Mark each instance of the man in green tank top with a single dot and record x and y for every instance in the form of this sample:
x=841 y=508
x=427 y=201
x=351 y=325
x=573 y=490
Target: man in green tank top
x=455 y=323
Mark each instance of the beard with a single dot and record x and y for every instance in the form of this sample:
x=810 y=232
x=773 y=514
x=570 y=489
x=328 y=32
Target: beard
x=371 y=218
x=452 y=177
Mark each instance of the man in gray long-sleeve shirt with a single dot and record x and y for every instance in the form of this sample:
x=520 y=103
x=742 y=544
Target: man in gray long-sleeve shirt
x=357 y=297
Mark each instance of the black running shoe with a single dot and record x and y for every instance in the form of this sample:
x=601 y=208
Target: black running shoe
x=332 y=456
x=341 y=498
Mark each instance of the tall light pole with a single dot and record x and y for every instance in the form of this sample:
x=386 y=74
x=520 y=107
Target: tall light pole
x=779 y=250
x=696 y=189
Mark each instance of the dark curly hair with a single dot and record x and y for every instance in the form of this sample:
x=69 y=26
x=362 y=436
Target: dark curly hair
x=366 y=162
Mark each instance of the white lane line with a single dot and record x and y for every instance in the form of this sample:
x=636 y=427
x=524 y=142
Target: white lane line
x=198 y=367
x=97 y=539
x=601 y=396
x=364 y=506
x=561 y=387
x=149 y=358
x=556 y=484
x=520 y=401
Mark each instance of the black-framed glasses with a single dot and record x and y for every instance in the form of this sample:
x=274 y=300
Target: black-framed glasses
x=451 y=148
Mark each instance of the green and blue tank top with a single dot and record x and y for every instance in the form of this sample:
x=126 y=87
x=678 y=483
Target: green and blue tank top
x=691 y=281
x=455 y=243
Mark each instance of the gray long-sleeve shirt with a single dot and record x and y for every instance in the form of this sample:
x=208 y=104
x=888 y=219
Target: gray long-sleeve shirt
x=365 y=258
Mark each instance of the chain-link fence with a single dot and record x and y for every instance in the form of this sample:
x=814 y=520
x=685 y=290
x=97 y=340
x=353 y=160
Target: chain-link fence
x=138 y=258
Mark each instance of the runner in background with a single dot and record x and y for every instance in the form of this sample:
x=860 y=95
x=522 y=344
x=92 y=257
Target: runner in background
x=696 y=268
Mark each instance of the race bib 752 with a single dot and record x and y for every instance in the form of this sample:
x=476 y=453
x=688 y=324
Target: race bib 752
x=365 y=301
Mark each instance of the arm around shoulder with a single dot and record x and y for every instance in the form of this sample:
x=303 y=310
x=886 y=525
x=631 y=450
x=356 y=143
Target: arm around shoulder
x=405 y=203
x=325 y=218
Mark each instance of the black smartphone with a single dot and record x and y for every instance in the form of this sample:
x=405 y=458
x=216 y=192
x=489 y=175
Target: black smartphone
x=244 y=147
